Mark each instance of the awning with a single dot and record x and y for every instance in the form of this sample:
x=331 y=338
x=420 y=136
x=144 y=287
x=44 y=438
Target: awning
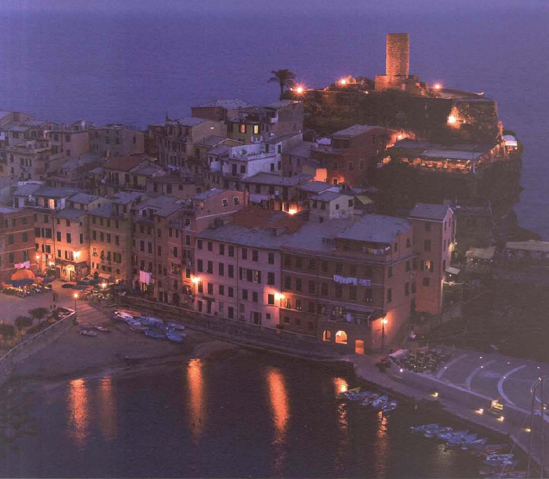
x=104 y=275
x=451 y=270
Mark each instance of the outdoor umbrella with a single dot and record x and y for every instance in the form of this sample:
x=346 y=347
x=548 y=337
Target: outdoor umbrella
x=23 y=274
x=80 y=286
x=68 y=285
x=22 y=282
x=48 y=280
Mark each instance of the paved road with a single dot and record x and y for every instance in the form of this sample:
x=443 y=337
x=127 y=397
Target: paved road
x=496 y=376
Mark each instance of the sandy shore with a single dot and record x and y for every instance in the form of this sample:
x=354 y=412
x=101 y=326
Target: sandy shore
x=74 y=355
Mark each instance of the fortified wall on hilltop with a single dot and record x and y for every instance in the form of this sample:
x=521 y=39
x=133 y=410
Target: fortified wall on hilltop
x=401 y=101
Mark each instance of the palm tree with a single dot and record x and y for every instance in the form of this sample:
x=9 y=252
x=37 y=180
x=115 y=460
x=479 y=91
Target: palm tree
x=284 y=78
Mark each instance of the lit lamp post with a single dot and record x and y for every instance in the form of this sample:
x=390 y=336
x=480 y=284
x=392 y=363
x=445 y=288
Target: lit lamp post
x=75 y=298
x=38 y=262
x=383 y=323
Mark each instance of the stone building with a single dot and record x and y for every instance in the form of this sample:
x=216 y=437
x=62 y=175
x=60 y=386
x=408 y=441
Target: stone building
x=114 y=140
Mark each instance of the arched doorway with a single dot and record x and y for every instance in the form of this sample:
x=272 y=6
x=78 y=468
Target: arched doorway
x=359 y=346
x=327 y=335
x=341 y=337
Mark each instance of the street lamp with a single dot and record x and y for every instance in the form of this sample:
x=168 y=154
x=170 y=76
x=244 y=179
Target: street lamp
x=383 y=323
x=75 y=298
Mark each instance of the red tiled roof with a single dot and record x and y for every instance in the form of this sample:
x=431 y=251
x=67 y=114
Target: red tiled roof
x=256 y=217
x=124 y=163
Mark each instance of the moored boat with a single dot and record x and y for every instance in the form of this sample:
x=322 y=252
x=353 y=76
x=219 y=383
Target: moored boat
x=154 y=334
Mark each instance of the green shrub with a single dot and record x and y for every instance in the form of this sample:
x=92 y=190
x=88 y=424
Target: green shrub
x=23 y=322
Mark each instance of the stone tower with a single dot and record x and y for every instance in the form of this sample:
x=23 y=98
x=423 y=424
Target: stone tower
x=398 y=56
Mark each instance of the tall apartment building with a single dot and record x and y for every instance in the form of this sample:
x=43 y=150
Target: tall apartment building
x=351 y=154
x=433 y=239
x=16 y=241
x=114 y=140
x=111 y=238
x=238 y=267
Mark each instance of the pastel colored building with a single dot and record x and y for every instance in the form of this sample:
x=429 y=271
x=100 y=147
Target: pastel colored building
x=433 y=239
x=17 y=248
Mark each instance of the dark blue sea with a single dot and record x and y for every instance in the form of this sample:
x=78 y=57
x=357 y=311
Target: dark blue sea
x=134 y=61
x=247 y=415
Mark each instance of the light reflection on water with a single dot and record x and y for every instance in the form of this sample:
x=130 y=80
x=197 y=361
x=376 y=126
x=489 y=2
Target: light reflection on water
x=197 y=402
x=107 y=418
x=278 y=397
x=78 y=417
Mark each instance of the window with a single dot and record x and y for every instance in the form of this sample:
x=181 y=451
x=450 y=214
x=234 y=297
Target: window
x=426 y=281
x=312 y=287
x=230 y=312
x=298 y=262
x=338 y=290
x=406 y=289
x=236 y=201
x=245 y=294
x=255 y=255
x=368 y=297
x=200 y=287
x=271 y=258
x=408 y=243
x=231 y=251
x=230 y=292
x=199 y=244
x=339 y=268
x=210 y=288
x=225 y=202
x=298 y=284
x=210 y=246
x=270 y=278
x=25 y=237
x=427 y=226
x=255 y=296
x=58 y=234
x=427 y=245
x=390 y=272
x=244 y=253
x=287 y=260
x=221 y=269
x=407 y=265
x=222 y=249
x=352 y=293
x=200 y=266
x=389 y=295
x=287 y=282
x=325 y=266
x=324 y=289
x=395 y=247
x=210 y=267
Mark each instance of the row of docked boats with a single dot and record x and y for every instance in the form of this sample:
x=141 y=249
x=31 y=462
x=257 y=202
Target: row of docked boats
x=496 y=463
x=151 y=326
x=369 y=399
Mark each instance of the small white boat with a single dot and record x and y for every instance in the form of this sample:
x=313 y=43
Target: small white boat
x=87 y=332
x=380 y=402
x=175 y=337
x=177 y=326
x=391 y=406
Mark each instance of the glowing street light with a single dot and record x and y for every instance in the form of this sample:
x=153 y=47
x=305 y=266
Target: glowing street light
x=194 y=280
x=279 y=296
x=437 y=86
x=103 y=285
x=452 y=120
x=343 y=81
x=292 y=211
x=383 y=323
x=299 y=89
x=75 y=295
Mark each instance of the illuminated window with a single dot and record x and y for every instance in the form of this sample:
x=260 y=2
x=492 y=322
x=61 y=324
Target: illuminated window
x=256 y=130
x=326 y=335
x=242 y=128
x=341 y=337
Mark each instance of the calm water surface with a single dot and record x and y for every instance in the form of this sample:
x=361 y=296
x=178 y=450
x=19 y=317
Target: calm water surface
x=120 y=65
x=247 y=415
